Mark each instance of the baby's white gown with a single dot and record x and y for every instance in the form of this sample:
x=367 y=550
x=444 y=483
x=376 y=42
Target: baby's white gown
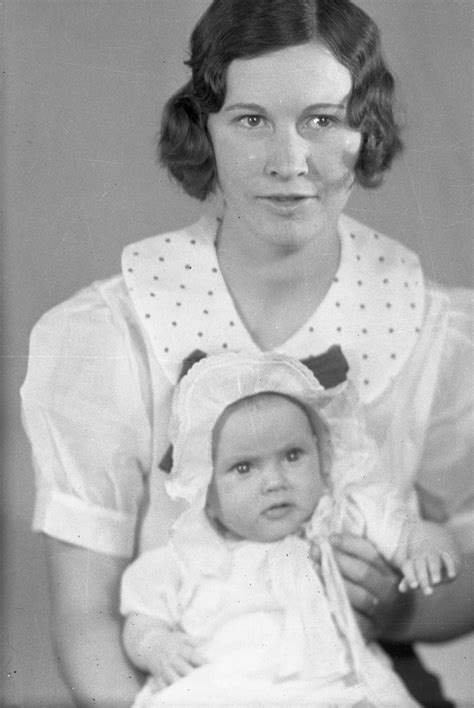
x=275 y=632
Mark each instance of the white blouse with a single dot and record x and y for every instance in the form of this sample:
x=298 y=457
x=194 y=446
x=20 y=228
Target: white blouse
x=103 y=365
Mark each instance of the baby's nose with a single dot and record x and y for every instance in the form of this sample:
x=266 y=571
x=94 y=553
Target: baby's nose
x=273 y=477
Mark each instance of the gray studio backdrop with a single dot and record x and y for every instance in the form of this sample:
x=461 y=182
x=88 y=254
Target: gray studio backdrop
x=85 y=82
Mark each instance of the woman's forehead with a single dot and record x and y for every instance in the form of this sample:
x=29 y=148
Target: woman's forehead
x=305 y=74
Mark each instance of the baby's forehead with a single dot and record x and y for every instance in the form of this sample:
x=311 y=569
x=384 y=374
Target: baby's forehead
x=265 y=401
x=254 y=407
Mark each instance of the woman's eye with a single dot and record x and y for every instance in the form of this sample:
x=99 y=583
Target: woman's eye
x=242 y=468
x=322 y=121
x=251 y=121
x=294 y=454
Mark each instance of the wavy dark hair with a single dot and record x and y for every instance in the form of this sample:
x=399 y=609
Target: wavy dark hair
x=239 y=29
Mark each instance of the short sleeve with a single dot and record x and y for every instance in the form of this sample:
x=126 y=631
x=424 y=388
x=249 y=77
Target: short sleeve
x=86 y=413
x=151 y=585
x=445 y=478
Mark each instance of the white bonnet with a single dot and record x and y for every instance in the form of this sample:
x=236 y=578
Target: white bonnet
x=214 y=383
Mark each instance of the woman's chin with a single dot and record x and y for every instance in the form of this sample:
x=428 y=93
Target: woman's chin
x=287 y=227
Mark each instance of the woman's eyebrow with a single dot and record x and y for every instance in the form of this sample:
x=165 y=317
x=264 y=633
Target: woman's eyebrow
x=324 y=106
x=255 y=108
x=245 y=106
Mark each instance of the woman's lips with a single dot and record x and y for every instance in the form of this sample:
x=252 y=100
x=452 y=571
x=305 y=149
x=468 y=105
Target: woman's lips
x=287 y=197
x=287 y=202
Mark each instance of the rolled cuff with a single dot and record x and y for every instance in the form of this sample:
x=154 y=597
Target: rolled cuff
x=71 y=520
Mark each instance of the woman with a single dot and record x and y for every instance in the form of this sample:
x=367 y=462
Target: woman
x=288 y=106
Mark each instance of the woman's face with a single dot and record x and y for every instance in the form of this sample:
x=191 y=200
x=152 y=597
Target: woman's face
x=285 y=155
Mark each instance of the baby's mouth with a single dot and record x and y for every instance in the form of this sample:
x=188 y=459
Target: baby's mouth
x=277 y=511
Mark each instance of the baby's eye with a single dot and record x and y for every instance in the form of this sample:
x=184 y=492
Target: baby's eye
x=294 y=454
x=251 y=121
x=242 y=468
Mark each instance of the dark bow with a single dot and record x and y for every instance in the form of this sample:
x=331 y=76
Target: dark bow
x=330 y=369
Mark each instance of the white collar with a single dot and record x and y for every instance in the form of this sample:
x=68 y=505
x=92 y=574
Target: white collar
x=373 y=309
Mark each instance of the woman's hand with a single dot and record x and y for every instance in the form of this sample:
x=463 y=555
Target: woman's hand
x=371 y=583
x=383 y=612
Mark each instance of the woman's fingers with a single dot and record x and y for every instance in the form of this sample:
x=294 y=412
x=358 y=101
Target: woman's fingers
x=371 y=583
x=361 y=565
x=364 y=605
x=359 y=549
x=367 y=626
x=362 y=599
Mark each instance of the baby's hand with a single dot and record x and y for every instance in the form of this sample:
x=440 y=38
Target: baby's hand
x=171 y=655
x=431 y=558
x=426 y=571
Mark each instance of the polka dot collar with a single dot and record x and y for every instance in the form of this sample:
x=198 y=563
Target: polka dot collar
x=180 y=295
x=373 y=309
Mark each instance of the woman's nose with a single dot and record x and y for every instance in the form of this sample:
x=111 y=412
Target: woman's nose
x=287 y=155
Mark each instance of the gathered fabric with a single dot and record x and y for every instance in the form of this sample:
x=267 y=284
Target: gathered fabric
x=271 y=624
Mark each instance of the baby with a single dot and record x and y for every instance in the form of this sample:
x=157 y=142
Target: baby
x=233 y=611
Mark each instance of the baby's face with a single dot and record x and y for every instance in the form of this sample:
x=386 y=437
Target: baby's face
x=266 y=479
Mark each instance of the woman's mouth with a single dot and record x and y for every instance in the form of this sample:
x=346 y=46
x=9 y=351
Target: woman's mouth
x=287 y=203
x=287 y=198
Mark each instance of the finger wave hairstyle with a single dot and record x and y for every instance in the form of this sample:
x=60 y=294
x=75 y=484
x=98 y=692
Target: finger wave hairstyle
x=244 y=29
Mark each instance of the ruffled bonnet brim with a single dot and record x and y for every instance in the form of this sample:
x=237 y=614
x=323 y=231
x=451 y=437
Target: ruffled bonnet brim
x=215 y=383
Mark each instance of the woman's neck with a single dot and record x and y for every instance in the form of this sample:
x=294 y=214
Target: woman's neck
x=245 y=255
x=276 y=289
